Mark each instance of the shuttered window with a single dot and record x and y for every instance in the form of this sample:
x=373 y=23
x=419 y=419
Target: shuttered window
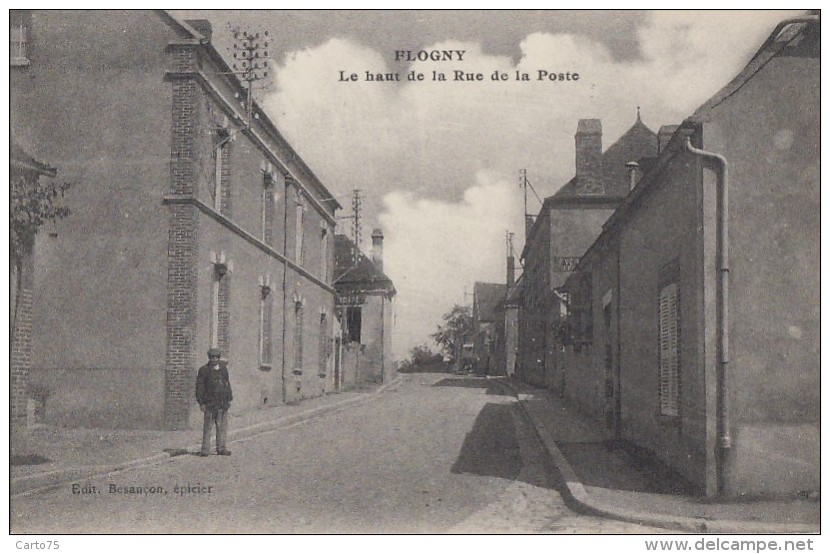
x=669 y=350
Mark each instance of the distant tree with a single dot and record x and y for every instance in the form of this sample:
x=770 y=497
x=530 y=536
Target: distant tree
x=422 y=359
x=458 y=323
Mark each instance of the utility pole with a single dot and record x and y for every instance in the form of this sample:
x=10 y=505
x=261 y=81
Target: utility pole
x=356 y=201
x=250 y=62
x=525 y=184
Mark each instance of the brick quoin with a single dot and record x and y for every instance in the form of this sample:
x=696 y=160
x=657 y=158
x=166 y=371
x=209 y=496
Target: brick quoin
x=224 y=315
x=21 y=359
x=21 y=342
x=182 y=250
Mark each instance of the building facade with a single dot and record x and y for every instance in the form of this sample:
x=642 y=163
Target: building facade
x=488 y=328
x=705 y=288
x=195 y=223
x=365 y=309
x=567 y=224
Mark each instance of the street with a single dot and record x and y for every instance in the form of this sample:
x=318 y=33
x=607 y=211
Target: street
x=436 y=454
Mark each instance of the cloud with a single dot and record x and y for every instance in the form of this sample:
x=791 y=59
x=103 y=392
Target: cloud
x=433 y=248
x=438 y=162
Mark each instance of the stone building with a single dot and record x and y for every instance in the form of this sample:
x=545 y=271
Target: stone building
x=569 y=221
x=365 y=308
x=702 y=293
x=194 y=223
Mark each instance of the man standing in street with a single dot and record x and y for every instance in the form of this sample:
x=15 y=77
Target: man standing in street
x=213 y=393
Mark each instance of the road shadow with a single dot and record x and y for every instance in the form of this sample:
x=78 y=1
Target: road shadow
x=491 y=448
x=491 y=386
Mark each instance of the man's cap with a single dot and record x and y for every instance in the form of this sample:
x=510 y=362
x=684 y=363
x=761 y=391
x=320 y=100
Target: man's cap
x=214 y=352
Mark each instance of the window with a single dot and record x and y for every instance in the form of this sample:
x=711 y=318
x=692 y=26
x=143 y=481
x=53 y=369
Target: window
x=354 y=321
x=219 y=309
x=268 y=213
x=668 y=318
x=299 y=229
x=18 y=37
x=221 y=194
x=322 y=346
x=266 y=303
x=298 y=335
x=324 y=252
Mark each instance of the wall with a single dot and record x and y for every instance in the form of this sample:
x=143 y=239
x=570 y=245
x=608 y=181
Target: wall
x=370 y=361
x=774 y=208
x=585 y=365
x=100 y=286
x=535 y=304
x=666 y=225
x=238 y=233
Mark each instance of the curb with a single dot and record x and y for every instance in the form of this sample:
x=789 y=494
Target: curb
x=40 y=482
x=577 y=497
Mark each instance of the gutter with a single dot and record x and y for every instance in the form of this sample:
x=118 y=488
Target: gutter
x=724 y=442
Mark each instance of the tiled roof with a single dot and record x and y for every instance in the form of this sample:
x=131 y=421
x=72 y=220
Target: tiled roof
x=793 y=37
x=363 y=275
x=487 y=297
x=639 y=141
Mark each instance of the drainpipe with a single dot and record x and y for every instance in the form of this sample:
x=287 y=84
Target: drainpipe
x=287 y=178
x=722 y=238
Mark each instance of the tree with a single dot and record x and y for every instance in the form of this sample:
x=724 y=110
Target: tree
x=458 y=324
x=31 y=204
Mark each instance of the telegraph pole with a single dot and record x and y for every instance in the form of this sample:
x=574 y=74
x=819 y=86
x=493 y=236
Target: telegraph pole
x=250 y=56
x=356 y=201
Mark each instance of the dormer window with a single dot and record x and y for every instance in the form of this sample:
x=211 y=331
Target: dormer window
x=18 y=38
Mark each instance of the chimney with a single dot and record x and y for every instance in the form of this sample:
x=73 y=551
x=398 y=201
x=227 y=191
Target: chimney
x=377 y=248
x=664 y=136
x=588 y=140
x=201 y=26
x=632 y=174
x=511 y=271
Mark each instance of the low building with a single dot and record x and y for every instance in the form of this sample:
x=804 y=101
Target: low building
x=701 y=296
x=195 y=224
x=567 y=224
x=365 y=308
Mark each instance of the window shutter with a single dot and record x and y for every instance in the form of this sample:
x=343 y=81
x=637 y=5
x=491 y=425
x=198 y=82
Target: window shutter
x=669 y=350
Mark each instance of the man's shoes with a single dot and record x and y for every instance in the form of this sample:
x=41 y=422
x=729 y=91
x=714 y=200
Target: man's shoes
x=203 y=454
x=224 y=452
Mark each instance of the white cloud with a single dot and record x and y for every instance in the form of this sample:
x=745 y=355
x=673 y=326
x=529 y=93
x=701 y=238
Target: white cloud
x=438 y=161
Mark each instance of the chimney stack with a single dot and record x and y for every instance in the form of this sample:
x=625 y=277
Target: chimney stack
x=664 y=136
x=588 y=141
x=632 y=174
x=377 y=249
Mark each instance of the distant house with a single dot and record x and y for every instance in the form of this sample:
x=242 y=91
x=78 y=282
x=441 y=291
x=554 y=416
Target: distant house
x=488 y=327
x=365 y=308
x=701 y=296
x=195 y=224
x=567 y=224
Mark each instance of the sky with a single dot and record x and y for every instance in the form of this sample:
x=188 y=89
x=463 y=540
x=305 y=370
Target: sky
x=438 y=162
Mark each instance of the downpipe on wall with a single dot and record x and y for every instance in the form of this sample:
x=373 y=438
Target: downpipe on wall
x=724 y=441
